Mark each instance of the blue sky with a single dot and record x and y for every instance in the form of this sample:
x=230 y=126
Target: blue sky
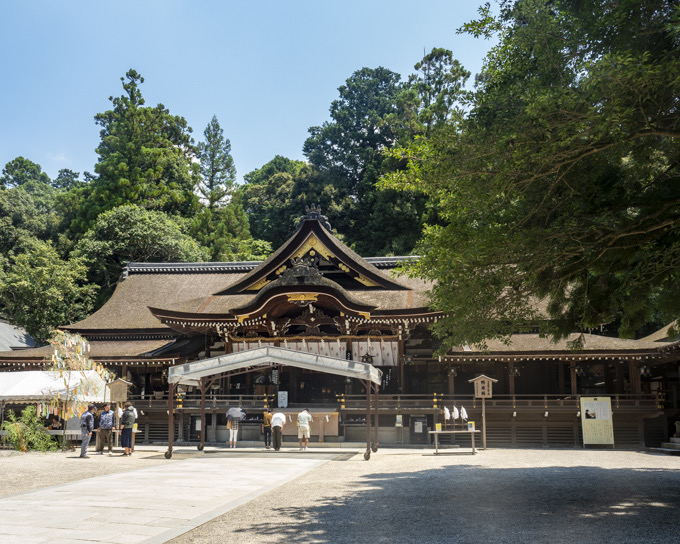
x=268 y=70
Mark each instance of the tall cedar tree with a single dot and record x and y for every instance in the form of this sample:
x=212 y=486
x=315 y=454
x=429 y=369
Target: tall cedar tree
x=146 y=158
x=218 y=173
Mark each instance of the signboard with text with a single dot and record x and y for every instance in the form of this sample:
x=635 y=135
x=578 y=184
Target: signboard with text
x=596 y=420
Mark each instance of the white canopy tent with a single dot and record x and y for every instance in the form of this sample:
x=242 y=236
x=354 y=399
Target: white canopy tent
x=39 y=386
x=200 y=374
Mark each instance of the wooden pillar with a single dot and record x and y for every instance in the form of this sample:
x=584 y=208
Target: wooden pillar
x=212 y=437
x=376 y=392
x=560 y=369
x=400 y=358
x=511 y=377
x=368 y=385
x=620 y=378
x=574 y=382
x=171 y=419
x=451 y=384
x=608 y=379
x=203 y=386
x=634 y=375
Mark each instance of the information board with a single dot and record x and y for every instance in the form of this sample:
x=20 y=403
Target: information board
x=596 y=420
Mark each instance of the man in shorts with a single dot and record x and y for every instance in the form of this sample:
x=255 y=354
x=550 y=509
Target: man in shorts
x=304 y=418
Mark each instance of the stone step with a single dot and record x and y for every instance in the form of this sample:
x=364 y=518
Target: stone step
x=675 y=439
x=670 y=445
x=670 y=451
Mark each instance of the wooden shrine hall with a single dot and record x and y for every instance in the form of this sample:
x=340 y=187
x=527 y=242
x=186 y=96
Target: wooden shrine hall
x=314 y=295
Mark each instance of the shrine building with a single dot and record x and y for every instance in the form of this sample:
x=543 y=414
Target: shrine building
x=315 y=295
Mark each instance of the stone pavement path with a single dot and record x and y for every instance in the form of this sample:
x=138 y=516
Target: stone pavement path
x=149 y=505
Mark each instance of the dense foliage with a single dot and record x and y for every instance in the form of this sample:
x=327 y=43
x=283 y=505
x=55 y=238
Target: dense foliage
x=39 y=290
x=27 y=433
x=561 y=183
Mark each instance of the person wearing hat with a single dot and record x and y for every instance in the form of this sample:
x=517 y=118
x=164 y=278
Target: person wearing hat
x=127 y=422
x=86 y=426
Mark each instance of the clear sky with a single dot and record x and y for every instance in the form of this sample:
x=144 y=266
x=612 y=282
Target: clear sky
x=268 y=70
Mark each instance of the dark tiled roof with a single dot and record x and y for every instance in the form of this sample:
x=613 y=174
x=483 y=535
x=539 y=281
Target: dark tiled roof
x=98 y=349
x=521 y=343
x=383 y=263
x=128 y=307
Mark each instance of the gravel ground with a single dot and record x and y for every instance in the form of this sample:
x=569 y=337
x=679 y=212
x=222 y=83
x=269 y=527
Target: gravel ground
x=498 y=496
x=26 y=471
x=406 y=496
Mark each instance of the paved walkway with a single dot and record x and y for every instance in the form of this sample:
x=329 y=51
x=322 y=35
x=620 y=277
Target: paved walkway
x=150 y=505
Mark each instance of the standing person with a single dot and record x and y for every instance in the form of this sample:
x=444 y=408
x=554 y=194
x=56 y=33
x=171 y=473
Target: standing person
x=86 y=426
x=107 y=421
x=267 y=428
x=127 y=422
x=278 y=421
x=304 y=418
x=232 y=425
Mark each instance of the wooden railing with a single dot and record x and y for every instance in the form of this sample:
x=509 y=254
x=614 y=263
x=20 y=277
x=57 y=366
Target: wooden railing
x=406 y=402
x=498 y=402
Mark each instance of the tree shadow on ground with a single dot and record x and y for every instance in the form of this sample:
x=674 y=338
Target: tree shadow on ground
x=469 y=504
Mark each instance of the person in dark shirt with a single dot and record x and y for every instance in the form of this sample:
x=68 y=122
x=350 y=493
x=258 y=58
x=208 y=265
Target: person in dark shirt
x=86 y=426
x=267 y=429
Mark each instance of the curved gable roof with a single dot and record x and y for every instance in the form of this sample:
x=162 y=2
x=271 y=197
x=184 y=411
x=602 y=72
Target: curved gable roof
x=313 y=236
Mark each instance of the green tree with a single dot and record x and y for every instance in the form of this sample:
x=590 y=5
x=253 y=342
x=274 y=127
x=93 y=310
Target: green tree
x=20 y=170
x=439 y=82
x=146 y=158
x=131 y=233
x=222 y=231
x=67 y=179
x=39 y=291
x=218 y=173
x=267 y=199
x=350 y=145
x=349 y=151
x=278 y=165
x=561 y=184
x=28 y=211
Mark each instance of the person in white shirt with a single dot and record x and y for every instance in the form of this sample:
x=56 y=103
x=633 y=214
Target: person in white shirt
x=304 y=418
x=278 y=421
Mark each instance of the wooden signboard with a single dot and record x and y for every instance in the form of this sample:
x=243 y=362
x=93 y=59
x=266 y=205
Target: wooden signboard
x=119 y=390
x=483 y=389
x=483 y=386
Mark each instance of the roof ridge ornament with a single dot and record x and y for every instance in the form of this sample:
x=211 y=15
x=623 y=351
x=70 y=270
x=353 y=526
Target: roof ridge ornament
x=313 y=213
x=304 y=270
